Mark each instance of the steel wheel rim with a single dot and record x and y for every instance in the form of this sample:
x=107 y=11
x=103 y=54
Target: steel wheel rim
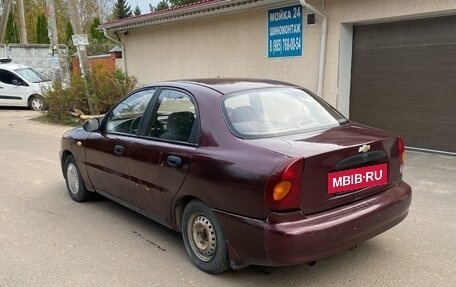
x=72 y=178
x=37 y=104
x=202 y=237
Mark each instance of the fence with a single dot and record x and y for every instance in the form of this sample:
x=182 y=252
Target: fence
x=38 y=57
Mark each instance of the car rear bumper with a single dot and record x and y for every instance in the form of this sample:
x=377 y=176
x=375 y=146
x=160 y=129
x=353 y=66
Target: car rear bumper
x=293 y=238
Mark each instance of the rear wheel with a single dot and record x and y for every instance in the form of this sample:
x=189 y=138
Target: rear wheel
x=74 y=182
x=36 y=103
x=203 y=238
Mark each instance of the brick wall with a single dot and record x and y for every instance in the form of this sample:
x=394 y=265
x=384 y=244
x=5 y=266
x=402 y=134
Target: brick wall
x=107 y=61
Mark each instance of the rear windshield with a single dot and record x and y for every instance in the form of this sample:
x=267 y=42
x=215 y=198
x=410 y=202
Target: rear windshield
x=277 y=111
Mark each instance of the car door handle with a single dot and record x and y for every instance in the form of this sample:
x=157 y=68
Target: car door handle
x=118 y=149
x=174 y=161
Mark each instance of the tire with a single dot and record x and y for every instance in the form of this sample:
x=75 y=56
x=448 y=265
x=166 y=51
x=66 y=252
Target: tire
x=37 y=103
x=74 y=182
x=204 y=239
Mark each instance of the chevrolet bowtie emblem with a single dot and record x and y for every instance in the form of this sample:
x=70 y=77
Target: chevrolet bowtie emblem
x=364 y=148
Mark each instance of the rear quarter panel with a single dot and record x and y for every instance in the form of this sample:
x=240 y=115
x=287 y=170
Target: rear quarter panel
x=227 y=173
x=231 y=180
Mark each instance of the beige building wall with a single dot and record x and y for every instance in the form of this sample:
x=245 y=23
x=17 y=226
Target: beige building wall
x=235 y=45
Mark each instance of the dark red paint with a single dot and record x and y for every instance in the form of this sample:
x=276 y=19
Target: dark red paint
x=231 y=176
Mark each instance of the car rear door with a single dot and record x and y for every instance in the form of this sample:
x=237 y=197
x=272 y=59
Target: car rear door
x=160 y=158
x=11 y=94
x=108 y=150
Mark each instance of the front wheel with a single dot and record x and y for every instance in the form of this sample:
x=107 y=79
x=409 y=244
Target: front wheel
x=36 y=103
x=74 y=181
x=203 y=238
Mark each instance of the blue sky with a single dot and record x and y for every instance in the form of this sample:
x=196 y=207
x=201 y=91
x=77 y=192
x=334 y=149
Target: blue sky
x=143 y=4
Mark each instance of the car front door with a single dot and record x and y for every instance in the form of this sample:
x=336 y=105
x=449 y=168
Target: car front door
x=161 y=156
x=12 y=89
x=108 y=150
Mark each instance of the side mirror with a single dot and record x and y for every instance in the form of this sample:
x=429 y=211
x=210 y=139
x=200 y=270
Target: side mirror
x=91 y=125
x=16 y=82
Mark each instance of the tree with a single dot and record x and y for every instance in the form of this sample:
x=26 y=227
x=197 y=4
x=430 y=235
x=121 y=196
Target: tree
x=99 y=44
x=104 y=8
x=42 y=30
x=68 y=32
x=33 y=8
x=62 y=17
x=88 y=10
x=121 y=10
x=11 y=35
x=162 y=5
x=68 y=39
x=94 y=33
x=22 y=27
x=181 y=2
x=137 y=11
x=166 y=4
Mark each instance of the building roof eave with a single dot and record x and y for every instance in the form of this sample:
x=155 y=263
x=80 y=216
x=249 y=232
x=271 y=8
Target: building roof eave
x=203 y=9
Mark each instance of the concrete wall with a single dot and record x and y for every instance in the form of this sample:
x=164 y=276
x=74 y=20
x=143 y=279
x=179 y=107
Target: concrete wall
x=234 y=45
x=37 y=56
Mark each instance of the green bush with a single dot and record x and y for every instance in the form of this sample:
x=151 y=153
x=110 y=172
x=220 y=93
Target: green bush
x=105 y=90
x=109 y=88
x=61 y=102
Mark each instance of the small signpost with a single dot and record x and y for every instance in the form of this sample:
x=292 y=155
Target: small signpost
x=80 y=41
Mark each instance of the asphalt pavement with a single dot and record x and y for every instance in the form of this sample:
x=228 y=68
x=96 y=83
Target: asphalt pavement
x=46 y=239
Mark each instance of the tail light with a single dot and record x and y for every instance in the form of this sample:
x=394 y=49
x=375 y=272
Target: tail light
x=283 y=187
x=401 y=147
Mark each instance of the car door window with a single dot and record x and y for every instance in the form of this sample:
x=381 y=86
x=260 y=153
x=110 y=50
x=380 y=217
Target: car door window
x=8 y=77
x=126 y=116
x=174 y=118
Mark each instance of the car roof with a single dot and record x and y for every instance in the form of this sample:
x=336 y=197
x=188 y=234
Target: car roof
x=227 y=85
x=12 y=66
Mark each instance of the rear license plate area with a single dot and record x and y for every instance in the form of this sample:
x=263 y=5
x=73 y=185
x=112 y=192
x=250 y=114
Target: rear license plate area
x=357 y=178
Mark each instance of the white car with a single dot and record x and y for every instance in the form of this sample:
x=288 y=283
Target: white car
x=22 y=86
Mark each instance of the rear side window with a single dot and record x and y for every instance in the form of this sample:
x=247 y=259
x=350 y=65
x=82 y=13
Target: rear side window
x=277 y=111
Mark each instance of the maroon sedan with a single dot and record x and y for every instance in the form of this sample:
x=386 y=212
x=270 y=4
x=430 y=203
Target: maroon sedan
x=249 y=171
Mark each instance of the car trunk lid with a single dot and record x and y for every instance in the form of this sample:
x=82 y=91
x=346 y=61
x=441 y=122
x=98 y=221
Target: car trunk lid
x=352 y=148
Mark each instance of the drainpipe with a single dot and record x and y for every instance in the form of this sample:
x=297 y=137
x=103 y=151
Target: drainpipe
x=324 y=32
x=105 y=32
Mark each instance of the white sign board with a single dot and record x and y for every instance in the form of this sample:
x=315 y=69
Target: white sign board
x=80 y=40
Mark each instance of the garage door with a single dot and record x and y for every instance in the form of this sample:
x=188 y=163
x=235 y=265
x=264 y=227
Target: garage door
x=404 y=80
